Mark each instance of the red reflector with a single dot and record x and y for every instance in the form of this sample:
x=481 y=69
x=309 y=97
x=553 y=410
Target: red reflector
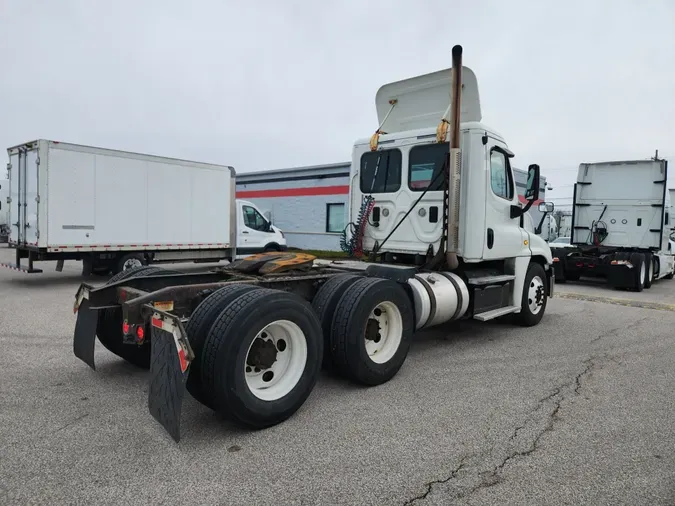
x=140 y=333
x=580 y=264
x=156 y=322
x=183 y=360
x=590 y=266
x=125 y=327
x=123 y=295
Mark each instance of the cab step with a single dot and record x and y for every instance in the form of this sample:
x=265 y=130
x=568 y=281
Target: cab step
x=496 y=313
x=488 y=280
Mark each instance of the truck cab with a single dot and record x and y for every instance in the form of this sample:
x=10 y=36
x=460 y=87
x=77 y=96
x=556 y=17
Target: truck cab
x=397 y=179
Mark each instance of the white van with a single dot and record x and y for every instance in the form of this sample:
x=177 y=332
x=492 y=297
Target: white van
x=255 y=233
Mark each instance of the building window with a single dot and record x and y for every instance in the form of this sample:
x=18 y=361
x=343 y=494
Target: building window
x=381 y=171
x=253 y=219
x=500 y=175
x=425 y=166
x=335 y=218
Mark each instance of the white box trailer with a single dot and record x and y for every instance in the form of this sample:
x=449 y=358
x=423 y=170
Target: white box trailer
x=112 y=208
x=620 y=224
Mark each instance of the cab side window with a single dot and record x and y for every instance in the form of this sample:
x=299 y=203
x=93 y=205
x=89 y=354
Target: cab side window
x=500 y=175
x=253 y=219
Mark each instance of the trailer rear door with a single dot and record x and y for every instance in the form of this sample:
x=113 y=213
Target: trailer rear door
x=23 y=207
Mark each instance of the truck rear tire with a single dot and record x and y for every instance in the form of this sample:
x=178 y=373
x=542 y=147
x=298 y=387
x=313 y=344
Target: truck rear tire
x=649 y=276
x=262 y=358
x=325 y=302
x=534 y=298
x=198 y=327
x=639 y=271
x=371 y=331
x=109 y=325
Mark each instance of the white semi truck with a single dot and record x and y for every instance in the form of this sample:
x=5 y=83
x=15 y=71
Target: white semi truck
x=433 y=204
x=115 y=210
x=621 y=223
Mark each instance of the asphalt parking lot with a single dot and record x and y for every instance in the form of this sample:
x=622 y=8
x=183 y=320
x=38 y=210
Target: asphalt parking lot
x=578 y=410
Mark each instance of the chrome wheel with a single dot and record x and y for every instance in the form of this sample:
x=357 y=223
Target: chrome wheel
x=535 y=295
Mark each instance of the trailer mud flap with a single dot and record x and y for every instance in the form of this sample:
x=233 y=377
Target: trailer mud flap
x=85 y=333
x=169 y=368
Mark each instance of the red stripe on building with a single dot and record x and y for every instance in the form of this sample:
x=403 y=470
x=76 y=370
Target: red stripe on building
x=294 y=192
x=310 y=192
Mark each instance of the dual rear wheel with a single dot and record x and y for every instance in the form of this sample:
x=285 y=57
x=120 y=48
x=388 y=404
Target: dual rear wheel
x=259 y=352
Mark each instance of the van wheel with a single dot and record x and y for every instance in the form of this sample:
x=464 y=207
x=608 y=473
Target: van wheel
x=534 y=299
x=371 y=331
x=325 y=302
x=197 y=330
x=262 y=357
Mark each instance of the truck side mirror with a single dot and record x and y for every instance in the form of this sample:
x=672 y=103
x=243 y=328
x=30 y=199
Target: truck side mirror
x=546 y=207
x=532 y=189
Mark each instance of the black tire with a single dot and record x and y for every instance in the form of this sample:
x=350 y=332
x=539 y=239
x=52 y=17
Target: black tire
x=272 y=247
x=638 y=261
x=109 y=325
x=129 y=257
x=226 y=351
x=650 y=270
x=526 y=317
x=198 y=327
x=352 y=319
x=325 y=302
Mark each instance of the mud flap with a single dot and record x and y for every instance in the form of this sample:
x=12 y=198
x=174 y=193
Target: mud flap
x=170 y=358
x=85 y=333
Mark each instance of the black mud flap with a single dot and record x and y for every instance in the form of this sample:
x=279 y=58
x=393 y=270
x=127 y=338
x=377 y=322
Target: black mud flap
x=169 y=368
x=85 y=333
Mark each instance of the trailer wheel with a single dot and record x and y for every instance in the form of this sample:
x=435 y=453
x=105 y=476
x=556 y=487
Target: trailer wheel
x=262 y=357
x=130 y=261
x=325 y=302
x=198 y=327
x=534 y=299
x=649 y=277
x=109 y=325
x=371 y=330
x=639 y=272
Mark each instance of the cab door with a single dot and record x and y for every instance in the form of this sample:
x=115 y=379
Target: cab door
x=504 y=238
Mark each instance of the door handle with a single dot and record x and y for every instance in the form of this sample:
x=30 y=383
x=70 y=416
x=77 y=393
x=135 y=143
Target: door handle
x=490 y=238
x=244 y=231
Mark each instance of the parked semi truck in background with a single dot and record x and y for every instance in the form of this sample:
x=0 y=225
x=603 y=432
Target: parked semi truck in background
x=114 y=210
x=621 y=223
x=433 y=204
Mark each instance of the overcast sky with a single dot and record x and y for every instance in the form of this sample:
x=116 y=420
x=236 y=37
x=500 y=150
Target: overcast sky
x=280 y=83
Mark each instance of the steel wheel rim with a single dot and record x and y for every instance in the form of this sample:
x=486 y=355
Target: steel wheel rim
x=276 y=360
x=535 y=295
x=384 y=332
x=130 y=263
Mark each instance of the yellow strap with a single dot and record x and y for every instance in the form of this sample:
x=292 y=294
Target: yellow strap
x=442 y=131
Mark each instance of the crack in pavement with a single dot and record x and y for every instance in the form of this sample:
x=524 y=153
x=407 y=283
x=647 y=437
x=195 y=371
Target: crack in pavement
x=429 y=485
x=492 y=476
x=610 y=332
